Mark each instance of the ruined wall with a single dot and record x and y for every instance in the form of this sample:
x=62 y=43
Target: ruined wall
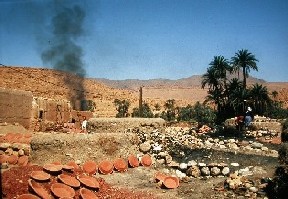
x=78 y=116
x=261 y=123
x=16 y=106
x=47 y=113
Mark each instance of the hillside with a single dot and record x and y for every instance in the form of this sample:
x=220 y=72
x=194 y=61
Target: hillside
x=60 y=85
x=55 y=84
x=190 y=82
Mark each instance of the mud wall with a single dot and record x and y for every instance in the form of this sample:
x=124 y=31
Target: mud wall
x=47 y=147
x=16 y=107
x=120 y=125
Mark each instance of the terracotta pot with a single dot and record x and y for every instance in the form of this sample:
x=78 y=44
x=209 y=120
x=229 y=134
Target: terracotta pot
x=67 y=167
x=160 y=177
x=27 y=196
x=106 y=167
x=56 y=163
x=23 y=160
x=146 y=160
x=133 y=161
x=89 y=181
x=171 y=182
x=12 y=159
x=120 y=165
x=69 y=180
x=61 y=190
x=87 y=194
x=40 y=175
x=73 y=164
x=90 y=167
x=4 y=158
x=39 y=189
x=52 y=168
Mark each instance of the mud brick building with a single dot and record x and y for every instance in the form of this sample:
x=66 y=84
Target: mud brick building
x=37 y=113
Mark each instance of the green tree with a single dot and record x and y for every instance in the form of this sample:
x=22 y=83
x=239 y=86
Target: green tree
x=146 y=111
x=216 y=79
x=170 y=111
x=260 y=97
x=244 y=60
x=122 y=107
x=236 y=96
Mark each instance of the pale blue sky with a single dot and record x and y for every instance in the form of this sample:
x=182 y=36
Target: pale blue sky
x=146 y=39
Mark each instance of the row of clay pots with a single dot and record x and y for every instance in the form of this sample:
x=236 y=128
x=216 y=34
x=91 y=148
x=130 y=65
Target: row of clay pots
x=13 y=160
x=107 y=167
x=170 y=182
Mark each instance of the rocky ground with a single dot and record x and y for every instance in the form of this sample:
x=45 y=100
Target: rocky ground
x=207 y=164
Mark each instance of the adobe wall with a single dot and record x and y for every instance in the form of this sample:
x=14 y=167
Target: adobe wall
x=121 y=125
x=16 y=106
x=62 y=147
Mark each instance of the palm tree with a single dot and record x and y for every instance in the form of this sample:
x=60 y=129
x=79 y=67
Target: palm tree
x=215 y=78
x=245 y=60
x=210 y=78
x=260 y=96
x=236 y=96
x=216 y=73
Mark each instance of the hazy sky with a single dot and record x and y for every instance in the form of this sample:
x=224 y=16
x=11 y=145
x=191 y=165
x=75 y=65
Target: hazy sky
x=144 y=39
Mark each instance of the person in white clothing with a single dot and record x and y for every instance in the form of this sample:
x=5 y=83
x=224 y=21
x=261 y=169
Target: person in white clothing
x=84 y=124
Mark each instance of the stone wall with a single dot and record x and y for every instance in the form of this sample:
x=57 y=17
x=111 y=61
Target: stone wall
x=261 y=123
x=120 y=125
x=16 y=106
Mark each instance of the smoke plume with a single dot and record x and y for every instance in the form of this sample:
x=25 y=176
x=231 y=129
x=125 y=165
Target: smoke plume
x=63 y=52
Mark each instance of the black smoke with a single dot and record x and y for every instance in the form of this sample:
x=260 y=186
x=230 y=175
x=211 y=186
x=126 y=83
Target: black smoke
x=63 y=52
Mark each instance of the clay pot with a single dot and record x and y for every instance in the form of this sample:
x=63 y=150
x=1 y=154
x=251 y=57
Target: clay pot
x=67 y=167
x=27 y=196
x=12 y=159
x=52 y=168
x=160 y=177
x=171 y=182
x=3 y=158
x=89 y=181
x=56 y=163
x=73 y=164
x=90 y=167
x=61 y=190
x=23 y=160
x=69 y=180
x=146 y=160
x=133 y=161
x=120 y=165
x=39 y=189
x=106 y=167
x=87 y=194
x=40 y=175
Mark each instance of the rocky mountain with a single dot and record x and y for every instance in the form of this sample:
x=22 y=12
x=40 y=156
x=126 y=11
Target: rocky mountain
x=55 y=84
x=189 y=82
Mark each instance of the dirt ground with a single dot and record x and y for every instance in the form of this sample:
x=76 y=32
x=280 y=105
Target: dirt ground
x=141 y=179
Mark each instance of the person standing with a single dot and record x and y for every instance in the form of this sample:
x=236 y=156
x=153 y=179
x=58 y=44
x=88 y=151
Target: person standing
x=249 y=117
x=84 y=124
